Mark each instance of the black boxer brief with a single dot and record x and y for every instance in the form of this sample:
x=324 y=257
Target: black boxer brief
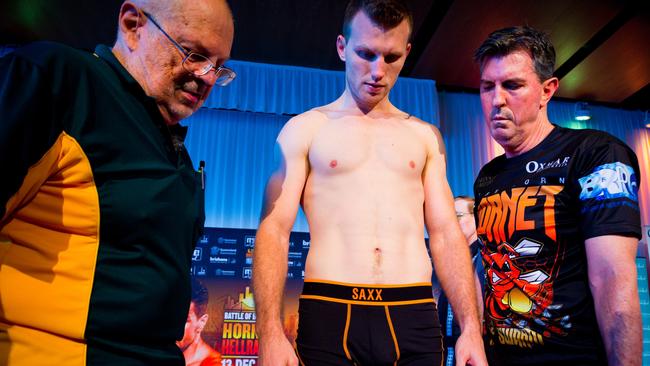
x=350 y=324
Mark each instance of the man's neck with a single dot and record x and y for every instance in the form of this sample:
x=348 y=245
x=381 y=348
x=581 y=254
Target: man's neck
x=193 y=350
x=120 y=51
x=537 y=135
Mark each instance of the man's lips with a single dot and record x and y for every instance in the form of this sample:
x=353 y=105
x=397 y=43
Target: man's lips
x=375 y=87
x=191 y=97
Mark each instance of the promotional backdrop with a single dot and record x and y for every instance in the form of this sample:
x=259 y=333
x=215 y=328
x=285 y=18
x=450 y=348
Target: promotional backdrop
x=222 y=262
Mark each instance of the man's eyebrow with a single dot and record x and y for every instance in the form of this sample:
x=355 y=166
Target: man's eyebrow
x=511 y=80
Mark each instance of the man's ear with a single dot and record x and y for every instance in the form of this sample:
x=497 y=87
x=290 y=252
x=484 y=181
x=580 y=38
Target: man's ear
x=548 y=89
x=340 y=47
x=203 y=320
x=129 y=23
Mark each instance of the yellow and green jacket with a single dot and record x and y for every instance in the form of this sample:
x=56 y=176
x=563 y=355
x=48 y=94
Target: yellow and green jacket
x=99 y=213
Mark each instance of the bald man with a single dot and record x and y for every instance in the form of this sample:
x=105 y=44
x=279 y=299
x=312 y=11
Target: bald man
x=101 y=206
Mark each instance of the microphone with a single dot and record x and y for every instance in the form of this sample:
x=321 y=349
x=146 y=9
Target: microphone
x=202 y=171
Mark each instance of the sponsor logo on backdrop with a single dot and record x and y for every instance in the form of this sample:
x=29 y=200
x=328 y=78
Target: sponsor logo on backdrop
x=249 y=241
x=218 y=260
x=306 y=244
x=204 y=239
x=247 y=273
x=223 y=251
x=224 y=273
x=294 y=263
x=227 y=241
x=197 y=254
x=215 y=251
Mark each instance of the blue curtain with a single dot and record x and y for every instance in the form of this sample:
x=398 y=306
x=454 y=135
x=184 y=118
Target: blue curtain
x=467 y=139
x=292 y=90
x=235 y=131
x=5 y=49
x=238 y=150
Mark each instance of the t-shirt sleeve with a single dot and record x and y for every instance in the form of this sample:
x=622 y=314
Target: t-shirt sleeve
x=26 y=125
x=608 y=180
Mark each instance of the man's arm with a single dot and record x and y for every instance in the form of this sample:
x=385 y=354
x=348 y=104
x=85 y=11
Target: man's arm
x=613 y=282
x=281 y=202
x=450 y=254
x=28 y=127
x=479 y=297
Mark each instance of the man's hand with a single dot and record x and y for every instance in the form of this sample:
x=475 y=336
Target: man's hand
x=276 y=351
x=469 y=349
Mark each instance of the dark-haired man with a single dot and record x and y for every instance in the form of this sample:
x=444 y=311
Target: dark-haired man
x=195 y=351
x=369 y=177
x=559 y=219
x=100 y=206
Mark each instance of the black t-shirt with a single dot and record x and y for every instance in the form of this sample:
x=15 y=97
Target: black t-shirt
x=533 y=215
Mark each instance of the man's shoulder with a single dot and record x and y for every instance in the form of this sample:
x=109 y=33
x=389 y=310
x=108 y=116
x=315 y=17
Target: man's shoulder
x=307 y=119
x=316 y=113
x=302 y=127
x=588 y=136
x=422 y=125
x=46 y=53
x=590 y=141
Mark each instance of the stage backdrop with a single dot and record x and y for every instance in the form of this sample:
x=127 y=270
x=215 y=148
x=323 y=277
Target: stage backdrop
x=235 y=134
x=222 y=263
x=235 y=131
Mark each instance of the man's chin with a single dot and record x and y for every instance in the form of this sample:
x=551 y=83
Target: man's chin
x=182 y=345
x=178 y=112
x=371 y=99
x=501 y=136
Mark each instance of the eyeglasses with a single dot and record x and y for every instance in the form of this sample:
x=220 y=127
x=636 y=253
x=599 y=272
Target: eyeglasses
x=461 y=214
x=195 y=63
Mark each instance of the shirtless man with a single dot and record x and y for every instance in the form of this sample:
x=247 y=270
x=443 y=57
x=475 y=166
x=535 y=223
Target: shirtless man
x=368 y=176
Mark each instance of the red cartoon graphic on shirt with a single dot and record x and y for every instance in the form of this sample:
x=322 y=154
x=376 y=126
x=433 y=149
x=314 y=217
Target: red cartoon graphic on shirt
x=518 y=299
